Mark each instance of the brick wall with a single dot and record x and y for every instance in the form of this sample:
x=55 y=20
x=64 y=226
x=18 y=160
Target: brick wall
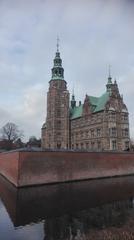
x=30 y=168
x=9 y=166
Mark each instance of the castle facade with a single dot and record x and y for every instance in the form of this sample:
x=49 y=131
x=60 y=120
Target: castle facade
x=99 y=123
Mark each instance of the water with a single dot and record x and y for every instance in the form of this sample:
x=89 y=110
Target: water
x=87 y=210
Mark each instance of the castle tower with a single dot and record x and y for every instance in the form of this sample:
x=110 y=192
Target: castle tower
x=55 y=132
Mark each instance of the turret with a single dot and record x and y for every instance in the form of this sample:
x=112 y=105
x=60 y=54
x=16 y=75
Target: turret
x=57 y=70
x=73 y=102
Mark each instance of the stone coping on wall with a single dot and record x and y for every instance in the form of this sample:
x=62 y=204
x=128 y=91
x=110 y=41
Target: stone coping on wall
x=65 y=150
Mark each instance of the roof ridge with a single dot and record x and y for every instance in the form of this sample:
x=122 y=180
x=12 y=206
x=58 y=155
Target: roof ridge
x=92 y=96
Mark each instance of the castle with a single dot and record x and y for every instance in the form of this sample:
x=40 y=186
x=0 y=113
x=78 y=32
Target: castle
x=100 y=123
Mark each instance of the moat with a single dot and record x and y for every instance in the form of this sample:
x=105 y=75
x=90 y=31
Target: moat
x=95 y=209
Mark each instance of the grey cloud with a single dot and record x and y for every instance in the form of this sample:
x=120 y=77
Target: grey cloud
x=93 y=35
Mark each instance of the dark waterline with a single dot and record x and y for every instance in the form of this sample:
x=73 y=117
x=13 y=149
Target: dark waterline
x=95 y=209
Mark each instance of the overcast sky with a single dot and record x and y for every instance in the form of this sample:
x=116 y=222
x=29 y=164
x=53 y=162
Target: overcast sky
x=93 y=34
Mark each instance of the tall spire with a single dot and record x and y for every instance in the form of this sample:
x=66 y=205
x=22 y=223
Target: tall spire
x=73 y=90
x=57 y=70
x=109 y=75
x=109 y=69
x=58 y=40
x=109 y=83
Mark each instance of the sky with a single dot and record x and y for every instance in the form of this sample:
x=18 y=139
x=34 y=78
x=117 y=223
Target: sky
x=93 y=34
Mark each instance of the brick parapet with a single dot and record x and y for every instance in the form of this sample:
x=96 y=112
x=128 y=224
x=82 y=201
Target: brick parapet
x=33 y=168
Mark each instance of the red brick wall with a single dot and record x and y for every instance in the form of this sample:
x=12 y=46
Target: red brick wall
x=47 y=167
x=50 y=167
x=9 y=166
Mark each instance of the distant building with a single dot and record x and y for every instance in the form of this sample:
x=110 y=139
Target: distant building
x=100 y=123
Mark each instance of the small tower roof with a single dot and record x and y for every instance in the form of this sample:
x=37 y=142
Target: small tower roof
x=73 y=102
x=57 y=70
x=109 y=75
x=109 y=83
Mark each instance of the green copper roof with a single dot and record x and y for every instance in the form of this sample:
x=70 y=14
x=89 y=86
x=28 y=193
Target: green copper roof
x=57 y=70
x=76 y=112
x=97 y=103
x=101 y=102
x=57 y=78
x=93 y=101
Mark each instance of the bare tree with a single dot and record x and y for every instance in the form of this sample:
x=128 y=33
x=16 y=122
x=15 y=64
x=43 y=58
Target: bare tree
x=10 y=132
x=34 y=142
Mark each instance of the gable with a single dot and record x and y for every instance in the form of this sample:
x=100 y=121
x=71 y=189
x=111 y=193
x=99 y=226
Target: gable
x=97 y=104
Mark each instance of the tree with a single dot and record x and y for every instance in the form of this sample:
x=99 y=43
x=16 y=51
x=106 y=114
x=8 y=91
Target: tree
x=34 y=142
x=19 y=144
x=10 y=133
x=32 y=139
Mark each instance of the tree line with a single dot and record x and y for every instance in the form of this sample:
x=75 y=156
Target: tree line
x=11 y=137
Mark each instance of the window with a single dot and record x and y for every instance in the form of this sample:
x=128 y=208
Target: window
x=77 y=145
x=72 y=136
x=112 y=116
x=81 y=145
x=114 y=145
x=125 y=116
x=58 y=124
x=92 y=145
x=98 y=132
x=59 y=71
x=86 y=134
x=99 y=144
x=58 y=113
x=87 y=145
x=126 y=145
x=92 y=133
x=58 y=133
x=58 y=145
x=112 y=132
x=126 y=132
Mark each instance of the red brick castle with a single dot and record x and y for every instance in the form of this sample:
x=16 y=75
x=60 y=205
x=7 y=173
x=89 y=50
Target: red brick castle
x=100 y=123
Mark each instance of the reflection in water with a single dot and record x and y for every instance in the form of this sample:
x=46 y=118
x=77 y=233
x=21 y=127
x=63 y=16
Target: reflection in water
x=97 y=209
x=88 y=222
